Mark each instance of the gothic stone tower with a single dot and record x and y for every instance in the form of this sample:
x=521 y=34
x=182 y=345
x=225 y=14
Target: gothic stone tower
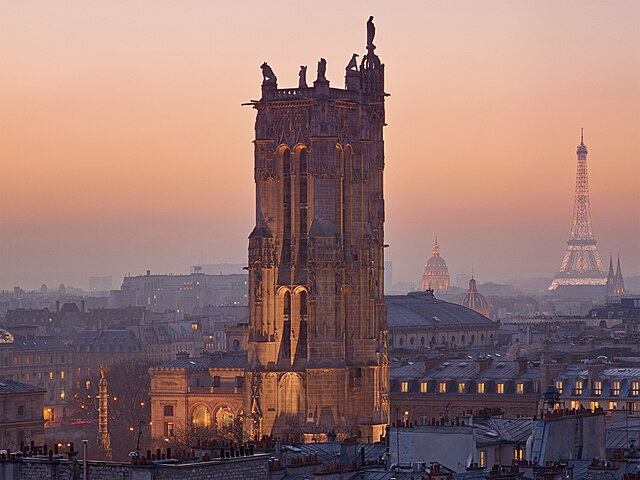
x=318 y=359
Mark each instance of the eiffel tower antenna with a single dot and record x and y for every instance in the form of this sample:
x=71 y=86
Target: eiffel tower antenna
x=581 y=264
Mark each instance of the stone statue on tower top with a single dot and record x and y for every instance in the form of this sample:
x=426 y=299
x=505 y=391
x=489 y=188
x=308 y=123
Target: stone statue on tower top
x=371 y=33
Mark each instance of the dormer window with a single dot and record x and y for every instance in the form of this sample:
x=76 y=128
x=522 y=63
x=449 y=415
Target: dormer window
x=578 y=387
x=461 y=387
x=500 y=388
x=442 y=387
x=615 y=388
x=635 y=388
x=559 y=386
x=404 y=387
x=520 y=388
x=597 y=387
x=423 y=387
x=480 y=388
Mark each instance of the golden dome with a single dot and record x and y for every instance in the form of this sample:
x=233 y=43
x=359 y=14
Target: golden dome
x=475 y=300
x=436 y=272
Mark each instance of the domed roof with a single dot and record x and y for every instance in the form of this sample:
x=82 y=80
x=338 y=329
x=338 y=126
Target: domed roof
x=474 y=300
x=436 y=261
x=423 y=309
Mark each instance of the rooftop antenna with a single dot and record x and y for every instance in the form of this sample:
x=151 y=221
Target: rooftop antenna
x=581 y=136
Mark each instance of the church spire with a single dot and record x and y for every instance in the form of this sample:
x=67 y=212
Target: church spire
x=618 y=283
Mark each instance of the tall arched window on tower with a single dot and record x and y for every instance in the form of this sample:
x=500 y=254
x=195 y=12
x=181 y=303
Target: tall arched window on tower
x=302 y=345
x=303 y=186
x=286 y=182
x=285 y=347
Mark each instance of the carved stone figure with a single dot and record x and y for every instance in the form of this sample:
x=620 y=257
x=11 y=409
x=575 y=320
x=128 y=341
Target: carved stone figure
x=352 y=66
x=268 y=77
x=322 y=70
x=302 y=77
x=371 y=33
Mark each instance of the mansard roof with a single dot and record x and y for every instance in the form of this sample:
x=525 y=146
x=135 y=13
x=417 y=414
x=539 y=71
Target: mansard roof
x=222 y=360
x=39 y=344
x=9 y=386
x=423 y=309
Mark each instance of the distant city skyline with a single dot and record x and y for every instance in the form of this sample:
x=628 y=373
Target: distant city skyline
x=124 y=147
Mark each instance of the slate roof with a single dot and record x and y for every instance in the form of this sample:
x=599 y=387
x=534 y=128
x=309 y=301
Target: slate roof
x=110 y=340
x=40 y=344
x=9 y=386
x=423 y=309
x=466 y=369
x=225 y=360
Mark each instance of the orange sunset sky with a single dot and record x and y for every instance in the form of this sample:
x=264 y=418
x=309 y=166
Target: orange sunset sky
x=123 y=145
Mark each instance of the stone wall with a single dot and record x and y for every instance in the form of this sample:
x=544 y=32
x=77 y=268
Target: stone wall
x=245 y=468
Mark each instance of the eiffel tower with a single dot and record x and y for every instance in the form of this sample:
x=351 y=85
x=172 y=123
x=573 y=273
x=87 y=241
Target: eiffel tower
x=581 y=264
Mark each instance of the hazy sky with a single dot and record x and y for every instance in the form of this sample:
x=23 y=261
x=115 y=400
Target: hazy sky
x=123 y=145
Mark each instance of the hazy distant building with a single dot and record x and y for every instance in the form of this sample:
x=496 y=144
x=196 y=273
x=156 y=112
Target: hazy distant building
x=475 y=300
x=100 y=284
x=388 y=275
x=615 y=281
x=219 y=268
x=581 y=265
x=436 y=272
x=182 y=293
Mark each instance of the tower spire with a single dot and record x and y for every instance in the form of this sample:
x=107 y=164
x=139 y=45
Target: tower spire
x=581 y=136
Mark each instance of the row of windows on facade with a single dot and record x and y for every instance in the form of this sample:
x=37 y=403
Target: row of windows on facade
x=464 y=387
x=27 y=359
x=631 y=407
x=29 y=377
x=578 y=387
x=216 y=381
x=463 y=340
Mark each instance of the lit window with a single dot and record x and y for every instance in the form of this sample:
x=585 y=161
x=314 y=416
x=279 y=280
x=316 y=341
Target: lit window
x=62 y=394
x=518 y=453
x=613 y=405
x=594 y=405
x=615 y=387
x=632 y=408
x=578 y=390
x=423 y=387
x=62 y=374
x=442 y=387
x=404 y=387
x=483 y=458
x=635 y=388
x=559 y=386
x=500 y=388
x=87 y=384
x=520 y=388
x=481 y=388
x=575 y=405
x=597 y=387
x=50 y=375
x=461 y=387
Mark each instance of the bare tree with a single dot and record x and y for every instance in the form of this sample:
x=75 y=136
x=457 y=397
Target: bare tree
x=129 y=405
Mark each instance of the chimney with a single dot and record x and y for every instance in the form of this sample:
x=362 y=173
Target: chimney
x=594 y=371
x=482 y=363
x=57 y=306
x=82 y=306
x=521 y=365
x=148 y=272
